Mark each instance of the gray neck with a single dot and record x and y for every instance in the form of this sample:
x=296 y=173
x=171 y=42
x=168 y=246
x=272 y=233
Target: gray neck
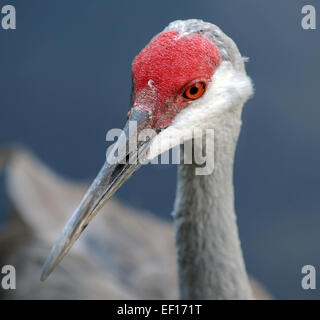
x=210 y=261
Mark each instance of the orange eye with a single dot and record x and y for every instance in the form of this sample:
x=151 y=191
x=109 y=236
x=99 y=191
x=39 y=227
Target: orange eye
x=195 y=91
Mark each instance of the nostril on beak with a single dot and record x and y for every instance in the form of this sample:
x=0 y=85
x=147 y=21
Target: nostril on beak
x=119 y=167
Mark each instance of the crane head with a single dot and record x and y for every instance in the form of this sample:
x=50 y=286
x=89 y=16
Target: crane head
x=170 y=73
x=186 y=77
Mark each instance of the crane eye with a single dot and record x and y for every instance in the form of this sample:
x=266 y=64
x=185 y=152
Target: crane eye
x=195 y=91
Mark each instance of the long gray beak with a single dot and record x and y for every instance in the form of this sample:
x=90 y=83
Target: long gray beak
x=116 y=170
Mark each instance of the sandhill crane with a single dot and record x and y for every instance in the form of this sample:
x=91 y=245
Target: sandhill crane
x=191 y=75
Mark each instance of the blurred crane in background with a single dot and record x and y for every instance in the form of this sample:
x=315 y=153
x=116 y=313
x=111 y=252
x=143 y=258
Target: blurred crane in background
x=125 y=254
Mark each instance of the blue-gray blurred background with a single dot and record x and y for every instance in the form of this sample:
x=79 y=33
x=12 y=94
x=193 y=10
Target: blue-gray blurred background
x=65 y=80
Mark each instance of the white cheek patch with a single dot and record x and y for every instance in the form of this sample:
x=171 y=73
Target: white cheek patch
x=228 y=88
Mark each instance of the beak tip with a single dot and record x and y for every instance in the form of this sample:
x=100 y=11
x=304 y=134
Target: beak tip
x=43 y=277
x=46 y=270
x=50 y=264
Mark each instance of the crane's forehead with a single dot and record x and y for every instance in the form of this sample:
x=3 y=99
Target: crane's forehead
x=170 y=61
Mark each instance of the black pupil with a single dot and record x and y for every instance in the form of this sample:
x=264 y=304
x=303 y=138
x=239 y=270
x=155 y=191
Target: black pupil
x=194 y=90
